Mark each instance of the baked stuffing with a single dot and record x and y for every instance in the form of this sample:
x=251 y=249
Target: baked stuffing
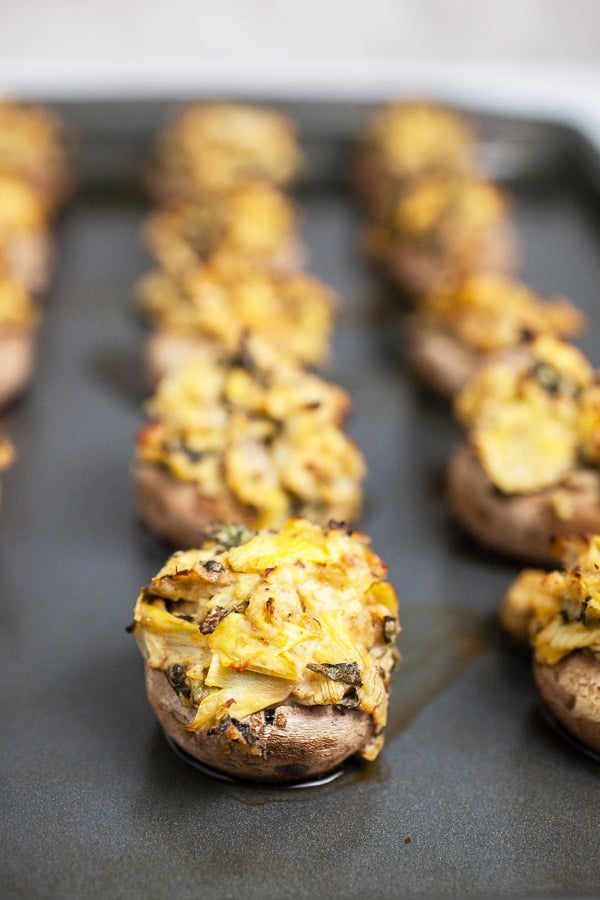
x=405 y=140
x=489 y=312
x=263 y=622
x=454 y=331
x=35 y=145
x=267 y=442
x=23 y=210
x=530 y=467
x=293 y=312
x=210 y=147
x=532 y=418
x=558 y=614
x=434 y=232
x=244 y=228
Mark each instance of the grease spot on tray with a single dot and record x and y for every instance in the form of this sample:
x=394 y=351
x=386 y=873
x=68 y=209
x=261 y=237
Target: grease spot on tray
x=444 y=641
x=353 y=773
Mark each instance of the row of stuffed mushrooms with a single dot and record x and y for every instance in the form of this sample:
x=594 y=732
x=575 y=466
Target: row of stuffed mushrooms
x=525 y=482
x=269 y=636
x=36 y=179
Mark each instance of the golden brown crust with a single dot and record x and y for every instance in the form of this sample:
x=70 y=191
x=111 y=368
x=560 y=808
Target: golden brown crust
x=438 y=360
x=520 y=525
x=571 y=691
x=17 y=359
x=292 y=743
x=176 y=510
x=172 y=187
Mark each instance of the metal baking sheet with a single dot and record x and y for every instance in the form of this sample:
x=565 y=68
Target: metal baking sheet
x=474 y=794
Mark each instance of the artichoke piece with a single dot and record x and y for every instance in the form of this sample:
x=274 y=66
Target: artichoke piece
x=240 y=695
x=348 y=673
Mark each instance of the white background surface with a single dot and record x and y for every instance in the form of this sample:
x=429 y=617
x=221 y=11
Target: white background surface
x=540 y=57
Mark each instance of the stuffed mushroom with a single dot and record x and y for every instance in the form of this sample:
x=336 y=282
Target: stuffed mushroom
x=529 y=468
x=247 y=227
x=269 y=655
x=558 y=614
x=237 y=440
x=433 y=233
x=203 y=313
x=213 y=146
x=406 y=140
x=454 y=332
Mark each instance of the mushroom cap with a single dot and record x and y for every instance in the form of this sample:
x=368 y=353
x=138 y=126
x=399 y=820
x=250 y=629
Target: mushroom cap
x=176 y=510
x=571 y=691
x=281 y=745
x=519 y=525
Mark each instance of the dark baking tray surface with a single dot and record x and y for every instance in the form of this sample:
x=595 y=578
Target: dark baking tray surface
x=474 y=793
